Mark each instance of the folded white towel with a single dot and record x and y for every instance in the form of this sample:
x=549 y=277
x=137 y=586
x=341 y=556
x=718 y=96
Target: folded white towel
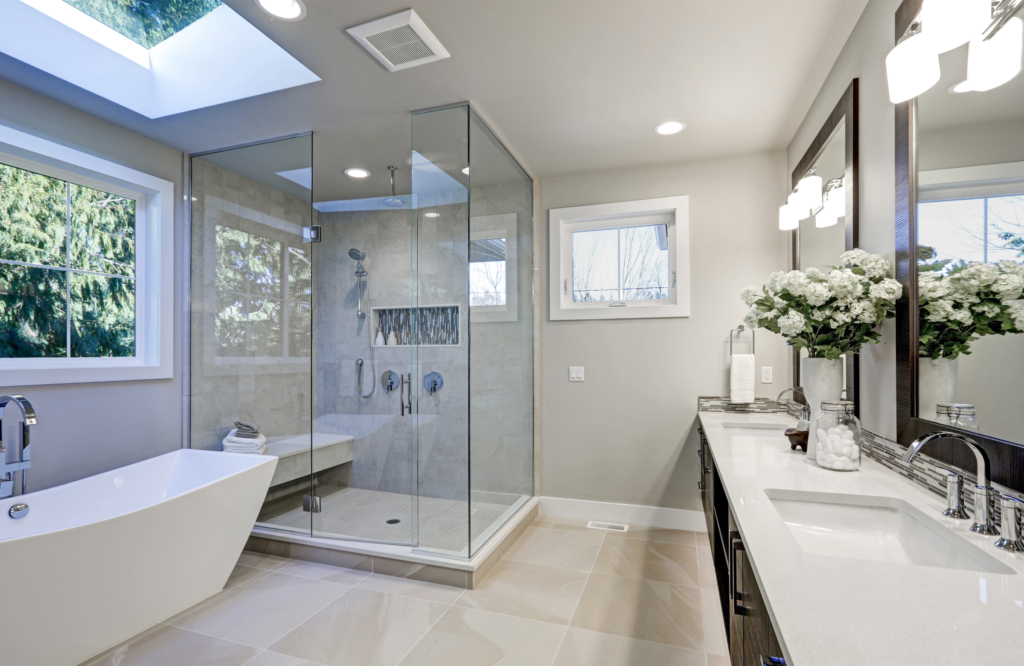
x=256 y=442
x=741 y=378
x=256 y=452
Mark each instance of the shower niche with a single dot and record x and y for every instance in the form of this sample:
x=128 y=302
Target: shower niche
x=427 y=326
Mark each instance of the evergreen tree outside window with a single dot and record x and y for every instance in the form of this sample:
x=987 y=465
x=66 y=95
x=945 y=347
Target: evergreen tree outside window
x=146 y=22
x=67 y=269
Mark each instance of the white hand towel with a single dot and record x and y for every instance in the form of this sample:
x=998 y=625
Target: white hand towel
x=741 y=378
x=242 y=444
x=256 y=452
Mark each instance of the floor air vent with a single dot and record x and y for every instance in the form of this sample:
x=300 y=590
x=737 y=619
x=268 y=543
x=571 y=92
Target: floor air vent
x=612 y=527
x=399 y=41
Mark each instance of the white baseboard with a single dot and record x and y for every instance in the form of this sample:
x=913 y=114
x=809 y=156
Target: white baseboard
x=631 y=514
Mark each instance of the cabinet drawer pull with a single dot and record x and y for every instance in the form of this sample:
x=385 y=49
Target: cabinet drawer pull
x=736 y=574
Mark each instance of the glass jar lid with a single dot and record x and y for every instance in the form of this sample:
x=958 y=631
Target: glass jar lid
x=954 y=409
x=837 y=406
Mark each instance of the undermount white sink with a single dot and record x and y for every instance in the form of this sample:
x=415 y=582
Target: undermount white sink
x=755 y=429
x=882 y=529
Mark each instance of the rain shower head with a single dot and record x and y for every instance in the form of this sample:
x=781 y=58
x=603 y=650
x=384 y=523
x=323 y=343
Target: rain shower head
x=356 y=254
x=393 y=201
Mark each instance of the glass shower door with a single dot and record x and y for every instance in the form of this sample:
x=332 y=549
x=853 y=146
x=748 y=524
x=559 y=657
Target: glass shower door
x=363 y=441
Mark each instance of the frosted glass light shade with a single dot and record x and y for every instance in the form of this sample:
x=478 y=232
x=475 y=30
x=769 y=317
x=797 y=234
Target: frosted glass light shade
x=912 y=68
x=798 y=206
x=809 y=191
x=947 y=24
x=991 y=64
x=825 y=218
x=787 y=218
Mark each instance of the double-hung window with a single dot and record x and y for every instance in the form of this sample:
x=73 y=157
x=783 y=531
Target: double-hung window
x=620 y=261
x=85 y=267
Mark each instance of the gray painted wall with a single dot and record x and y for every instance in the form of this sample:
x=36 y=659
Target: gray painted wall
x=628 y=433
x=863 y=56
x=85 y=429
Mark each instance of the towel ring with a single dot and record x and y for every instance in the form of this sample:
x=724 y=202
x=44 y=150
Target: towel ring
x=739 y=331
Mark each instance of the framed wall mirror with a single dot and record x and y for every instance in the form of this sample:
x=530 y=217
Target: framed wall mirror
x=820 y=239
x=960 y=257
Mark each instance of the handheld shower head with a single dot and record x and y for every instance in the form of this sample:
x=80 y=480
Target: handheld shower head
x=356 y=254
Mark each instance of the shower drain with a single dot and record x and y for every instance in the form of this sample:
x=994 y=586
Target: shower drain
x=394 y=521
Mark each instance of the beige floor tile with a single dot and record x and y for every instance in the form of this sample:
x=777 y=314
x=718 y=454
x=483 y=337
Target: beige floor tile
x=718 y=660
x=169 y=646
x=465 y=637
x=714 y=624
x=527 y=590
x=559 y=523
x=262 y=611
x=658 y=534
x=321 y=572
x=703 y=539
x=706 y=565
x=260 y=561
x=644 y=609
x=650 y=560
x=556 y=548
x=590 y=648
x=268 y=658
x=362 y=628
x=241 y=575
x=442 y=594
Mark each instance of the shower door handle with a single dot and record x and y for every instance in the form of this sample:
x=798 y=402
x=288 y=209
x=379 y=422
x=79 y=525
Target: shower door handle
x=401 y=395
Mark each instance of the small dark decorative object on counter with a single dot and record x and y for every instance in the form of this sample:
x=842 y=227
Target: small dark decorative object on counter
x=797 y=438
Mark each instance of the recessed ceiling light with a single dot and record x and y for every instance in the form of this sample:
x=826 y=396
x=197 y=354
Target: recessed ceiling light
x=670 y=127
x=285 y=10
x=356 y=172
x=466 y=171
x=431 y=214
x=960 y=88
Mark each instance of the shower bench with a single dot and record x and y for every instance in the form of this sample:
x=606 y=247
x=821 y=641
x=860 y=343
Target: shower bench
x=329 y=450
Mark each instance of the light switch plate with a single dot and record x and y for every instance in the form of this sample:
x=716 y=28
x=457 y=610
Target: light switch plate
x=766 y=374
x=575 y=373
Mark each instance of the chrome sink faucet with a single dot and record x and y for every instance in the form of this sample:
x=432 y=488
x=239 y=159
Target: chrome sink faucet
x=984 y=521
x=23 y=462
x=805 y=409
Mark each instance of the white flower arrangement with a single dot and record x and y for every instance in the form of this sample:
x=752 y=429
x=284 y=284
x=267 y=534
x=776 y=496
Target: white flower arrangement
x=960 y=303
x=827 y=314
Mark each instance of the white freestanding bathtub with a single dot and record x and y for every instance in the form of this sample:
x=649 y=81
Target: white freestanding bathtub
x=99 y=560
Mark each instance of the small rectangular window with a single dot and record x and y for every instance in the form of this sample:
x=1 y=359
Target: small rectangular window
x=620 y=261
x=67 y=269
x=487 y=280
x=985 y=229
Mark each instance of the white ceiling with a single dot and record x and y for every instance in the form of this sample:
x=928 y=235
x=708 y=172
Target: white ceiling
x=570 y=86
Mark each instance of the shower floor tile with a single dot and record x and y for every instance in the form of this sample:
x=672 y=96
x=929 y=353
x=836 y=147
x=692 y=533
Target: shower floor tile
x=364 y=514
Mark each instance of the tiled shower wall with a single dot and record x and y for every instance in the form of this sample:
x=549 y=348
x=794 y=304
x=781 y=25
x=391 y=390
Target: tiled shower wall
x=271 y=390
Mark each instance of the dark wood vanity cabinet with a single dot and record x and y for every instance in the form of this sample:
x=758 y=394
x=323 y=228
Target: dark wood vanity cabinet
x=752 y=637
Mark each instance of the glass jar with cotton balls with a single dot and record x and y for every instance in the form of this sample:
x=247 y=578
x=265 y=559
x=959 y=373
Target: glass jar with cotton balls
x=838 y=441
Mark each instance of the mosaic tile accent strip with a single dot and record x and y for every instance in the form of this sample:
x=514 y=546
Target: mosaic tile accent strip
x=718 y=404
x=925 y=471
x=437 y=325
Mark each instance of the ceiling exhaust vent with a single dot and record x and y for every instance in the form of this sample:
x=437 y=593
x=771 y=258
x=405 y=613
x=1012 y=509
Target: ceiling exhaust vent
x=614 y=527
x=399 y=41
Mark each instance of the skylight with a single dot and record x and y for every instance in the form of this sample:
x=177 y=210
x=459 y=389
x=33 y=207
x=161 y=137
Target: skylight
x=146 y=22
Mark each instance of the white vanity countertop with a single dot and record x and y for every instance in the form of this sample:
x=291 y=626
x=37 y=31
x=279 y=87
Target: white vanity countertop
x=836 y=610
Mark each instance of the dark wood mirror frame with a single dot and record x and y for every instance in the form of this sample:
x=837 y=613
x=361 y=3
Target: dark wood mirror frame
x=1007 y=458
x=848 y=109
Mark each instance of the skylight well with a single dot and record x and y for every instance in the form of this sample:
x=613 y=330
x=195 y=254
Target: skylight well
x=155 y=57
x=146 y=22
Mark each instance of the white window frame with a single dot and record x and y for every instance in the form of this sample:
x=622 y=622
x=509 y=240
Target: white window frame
x=154 y=265
x=673 y=211
x=486 y=227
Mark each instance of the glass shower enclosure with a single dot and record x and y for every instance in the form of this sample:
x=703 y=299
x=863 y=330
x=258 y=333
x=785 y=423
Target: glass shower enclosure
x=383 y=346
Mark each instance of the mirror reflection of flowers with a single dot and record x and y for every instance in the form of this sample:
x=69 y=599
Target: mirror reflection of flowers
x=828 y=314
x=961 y=302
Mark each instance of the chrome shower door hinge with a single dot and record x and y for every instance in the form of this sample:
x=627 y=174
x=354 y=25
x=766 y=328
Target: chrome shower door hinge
x=311 y=234
x=311 y=503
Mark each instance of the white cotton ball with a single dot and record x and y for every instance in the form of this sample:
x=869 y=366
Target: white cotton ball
x=839 y=465
x=837 y=446
x=843 y=459
x=821 y=459
x=829 y=458
x=855 y=451
x=833 y=431
x=847 y=452
x=822 y=435
x=848 y=436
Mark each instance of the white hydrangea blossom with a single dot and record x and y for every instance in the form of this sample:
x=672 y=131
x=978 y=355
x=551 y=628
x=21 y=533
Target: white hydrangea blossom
x=815 y=308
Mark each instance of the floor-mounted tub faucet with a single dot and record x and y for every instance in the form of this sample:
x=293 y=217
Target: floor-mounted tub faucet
x=984 y=521
x=23 y=462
